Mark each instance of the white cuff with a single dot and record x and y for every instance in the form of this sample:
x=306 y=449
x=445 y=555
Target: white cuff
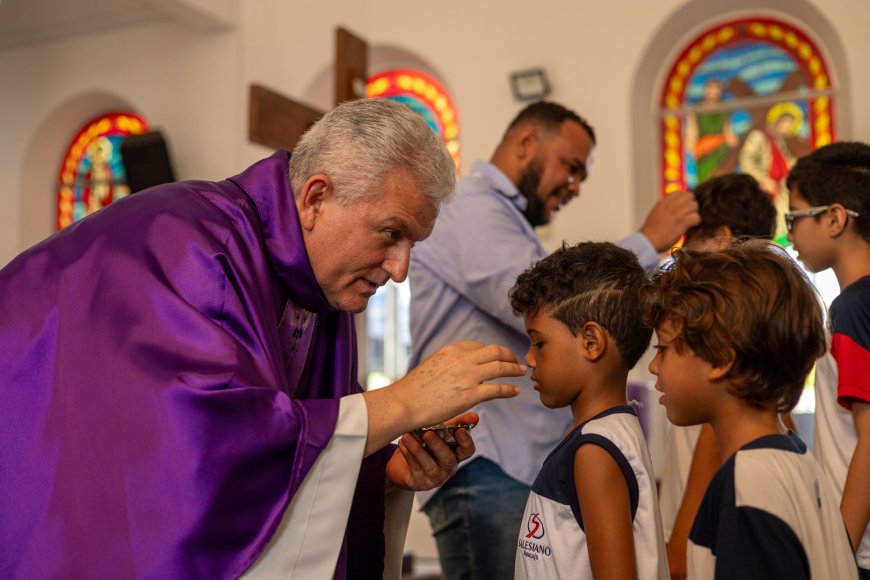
x=308 y=540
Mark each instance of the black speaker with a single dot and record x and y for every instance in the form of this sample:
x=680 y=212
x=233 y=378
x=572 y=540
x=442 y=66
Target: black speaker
x=146 y=161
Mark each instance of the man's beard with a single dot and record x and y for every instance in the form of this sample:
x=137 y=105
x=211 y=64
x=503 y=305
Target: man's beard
x=536 y=208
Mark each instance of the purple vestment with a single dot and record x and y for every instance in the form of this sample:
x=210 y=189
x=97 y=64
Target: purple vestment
x=147 y=424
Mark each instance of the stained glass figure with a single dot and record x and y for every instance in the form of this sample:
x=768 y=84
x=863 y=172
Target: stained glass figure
x=749 y=95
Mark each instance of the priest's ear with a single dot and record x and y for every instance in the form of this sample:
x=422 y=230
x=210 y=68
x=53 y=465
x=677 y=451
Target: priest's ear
x=309 y=202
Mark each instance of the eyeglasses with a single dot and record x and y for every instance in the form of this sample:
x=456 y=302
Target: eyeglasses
x=790 y=216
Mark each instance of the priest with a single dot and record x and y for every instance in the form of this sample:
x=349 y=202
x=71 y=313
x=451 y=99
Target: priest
x=178 y=371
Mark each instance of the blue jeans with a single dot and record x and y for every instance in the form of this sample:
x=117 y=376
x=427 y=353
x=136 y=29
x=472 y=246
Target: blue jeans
x=476 y=518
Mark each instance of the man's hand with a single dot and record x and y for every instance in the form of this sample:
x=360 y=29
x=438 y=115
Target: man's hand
x=414 y=468
x=669 y=219
x=449 y=382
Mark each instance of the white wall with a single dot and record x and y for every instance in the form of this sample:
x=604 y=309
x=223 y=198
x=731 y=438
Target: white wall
x=186 y=82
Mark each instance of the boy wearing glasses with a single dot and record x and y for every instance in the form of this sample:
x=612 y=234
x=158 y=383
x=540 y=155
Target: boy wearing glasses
x=829 y=225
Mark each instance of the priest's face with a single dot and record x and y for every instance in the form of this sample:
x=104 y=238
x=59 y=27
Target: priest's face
x=355 y=249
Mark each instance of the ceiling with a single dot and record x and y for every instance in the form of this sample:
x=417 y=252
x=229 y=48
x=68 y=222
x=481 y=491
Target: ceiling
x=24 y=22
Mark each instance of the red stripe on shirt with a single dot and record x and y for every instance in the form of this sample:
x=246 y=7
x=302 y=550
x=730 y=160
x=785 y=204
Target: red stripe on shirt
x=853 y=370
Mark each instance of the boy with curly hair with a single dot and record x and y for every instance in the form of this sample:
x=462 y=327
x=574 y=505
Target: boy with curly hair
x=738 y=331
x=593 y=509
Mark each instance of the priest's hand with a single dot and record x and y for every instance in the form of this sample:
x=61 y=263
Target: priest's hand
x=451 y=381
x=417 y=468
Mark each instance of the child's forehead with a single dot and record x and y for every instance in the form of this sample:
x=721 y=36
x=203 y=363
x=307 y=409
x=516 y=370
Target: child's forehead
x=667 y=328
x=794 y=193
x=537 y=318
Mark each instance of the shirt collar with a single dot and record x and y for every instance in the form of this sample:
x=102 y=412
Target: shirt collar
x=499 y=182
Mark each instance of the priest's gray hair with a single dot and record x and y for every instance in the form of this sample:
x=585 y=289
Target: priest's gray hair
x=359 y=143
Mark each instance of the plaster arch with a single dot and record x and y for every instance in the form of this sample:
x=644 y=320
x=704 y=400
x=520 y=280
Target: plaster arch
x=683 y=25
x=44 y=154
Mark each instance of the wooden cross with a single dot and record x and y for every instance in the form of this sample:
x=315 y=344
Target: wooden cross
x=277 y=121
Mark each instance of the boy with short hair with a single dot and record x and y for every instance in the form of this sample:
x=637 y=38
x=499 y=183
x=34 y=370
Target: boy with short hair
x=593 y=510
x=732 y=207
x=738 y=331
x=829 y=225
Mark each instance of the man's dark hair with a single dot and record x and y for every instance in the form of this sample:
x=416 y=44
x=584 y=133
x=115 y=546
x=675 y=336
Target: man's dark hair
x=735 y=200
x=549 y=116
x=750 y=302
x=836 y=173
x=591 y=281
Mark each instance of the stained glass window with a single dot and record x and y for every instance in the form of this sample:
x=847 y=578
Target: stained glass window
x=389 y=338
x=749 y=95
x=92 y=172
x=425 y=95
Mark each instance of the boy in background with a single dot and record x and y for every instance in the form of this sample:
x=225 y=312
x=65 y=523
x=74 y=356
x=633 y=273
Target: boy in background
x=732 y=207
x=829 y=225
x=593 y=510
x=738 y=331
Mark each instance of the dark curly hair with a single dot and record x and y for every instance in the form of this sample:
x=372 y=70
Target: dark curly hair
x=737 y=201
x=549 y=116
x=836 y=173
x=749 y=301
x=591 y=281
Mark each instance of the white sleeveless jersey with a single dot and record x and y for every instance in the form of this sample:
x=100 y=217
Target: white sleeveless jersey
x=552 y=541
x=770 y=512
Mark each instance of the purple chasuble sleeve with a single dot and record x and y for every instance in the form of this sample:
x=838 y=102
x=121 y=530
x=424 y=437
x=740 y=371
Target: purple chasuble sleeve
x=148 y=428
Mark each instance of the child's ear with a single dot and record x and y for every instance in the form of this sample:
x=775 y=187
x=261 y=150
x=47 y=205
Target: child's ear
x=837 y=220
x=593 y=341
x=723 y=237
x=721 y=371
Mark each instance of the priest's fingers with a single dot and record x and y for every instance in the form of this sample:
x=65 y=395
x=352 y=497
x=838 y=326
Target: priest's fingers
x=430 y=467
x=498 y=369
x=489 y=391
x=442 y=453
x=469 y=418
x=463 y=363
x=467 y=345
x=465 y=447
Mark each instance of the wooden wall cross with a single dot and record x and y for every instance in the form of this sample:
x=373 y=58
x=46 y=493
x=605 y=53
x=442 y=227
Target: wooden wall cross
x=277 y=121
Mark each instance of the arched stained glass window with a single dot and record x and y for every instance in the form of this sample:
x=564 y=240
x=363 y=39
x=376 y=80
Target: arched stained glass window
x=92 y=172
x=749 y=95
x=425 y=95
x=387 y=316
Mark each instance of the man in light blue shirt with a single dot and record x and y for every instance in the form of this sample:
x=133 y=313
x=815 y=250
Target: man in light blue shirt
x=460 y=277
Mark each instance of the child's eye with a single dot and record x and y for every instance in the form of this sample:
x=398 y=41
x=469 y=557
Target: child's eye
x=660 y=348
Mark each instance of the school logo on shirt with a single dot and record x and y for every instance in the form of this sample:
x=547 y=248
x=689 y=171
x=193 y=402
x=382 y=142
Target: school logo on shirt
x=533 y=550
x=535 y=527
